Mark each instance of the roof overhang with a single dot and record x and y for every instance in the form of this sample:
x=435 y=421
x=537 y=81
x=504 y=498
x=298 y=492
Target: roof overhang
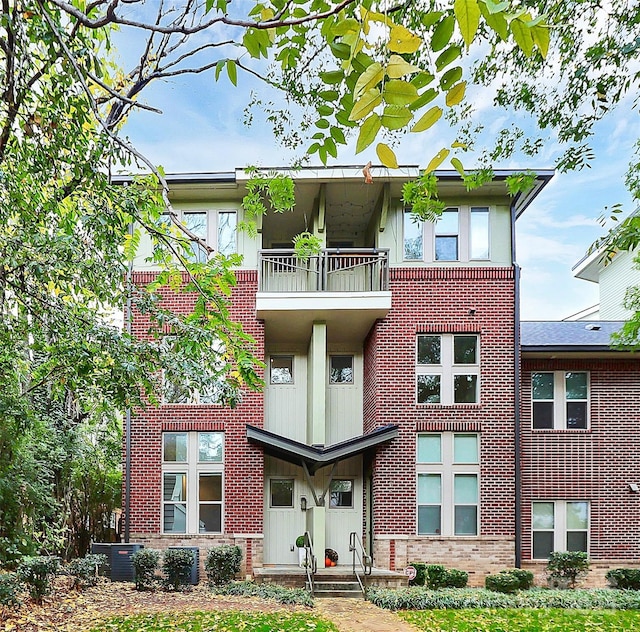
x=316 y=457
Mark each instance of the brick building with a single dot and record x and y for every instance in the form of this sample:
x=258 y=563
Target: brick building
x=392 y=407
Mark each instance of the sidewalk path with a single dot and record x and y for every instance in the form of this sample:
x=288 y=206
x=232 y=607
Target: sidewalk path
x=358 y=615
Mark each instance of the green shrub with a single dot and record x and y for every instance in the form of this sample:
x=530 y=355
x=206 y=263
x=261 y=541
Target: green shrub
x=421 y=574
x=300 y=541
x=38 y=573
x=84 y=570
x=145 y=563
x=437 y=576
x=503 y=582
x=176 y=565
x=222 y=564
x=418 y=598
x=566 y=567
x=295 y=596
x=509 y=581
x=624 y=578
x=9 y=589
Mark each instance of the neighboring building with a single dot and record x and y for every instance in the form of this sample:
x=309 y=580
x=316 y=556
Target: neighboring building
x=580 y=446
x=393 y=407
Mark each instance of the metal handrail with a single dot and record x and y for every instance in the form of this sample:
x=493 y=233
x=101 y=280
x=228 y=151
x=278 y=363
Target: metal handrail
x=310 y=561
x=364 y=559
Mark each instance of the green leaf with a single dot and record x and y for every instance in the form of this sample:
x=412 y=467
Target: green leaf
x=330 y=146
x=328 y=95
x=429 y=19
x=346 y=26
x=398 y=92
x=396 y=117
x=422 y=79
x=442 y=33
x=446 y=57
x=450 y=77
x=325 y=110
x=402 y=40
x=232 y=72
x=338 y=135
x=541 y=38
x=250 y=42
x=522 y=35
x=387 y=156
x=496 y=7
x=437 y=160
x=425 y=98
x=457 y=165
x=365 y=104
x=456 y=94
x=219 y=67
x=428 y=119
x=368 y=132
x=370 y=78
x=340 y=50
x=467 y=14
x=322 y=123
x=496 y=21
x=398 y=67
x=332 y=77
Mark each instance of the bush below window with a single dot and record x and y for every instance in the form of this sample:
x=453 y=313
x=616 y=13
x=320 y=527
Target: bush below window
x=564 y=568
x=624 y=578
x=222 y=564
x=84 y=570
x=145 y=563
x=176 y=565
x=437 y=576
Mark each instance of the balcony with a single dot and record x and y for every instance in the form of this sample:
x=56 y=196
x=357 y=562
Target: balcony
x=334 y=270
x=347 y=288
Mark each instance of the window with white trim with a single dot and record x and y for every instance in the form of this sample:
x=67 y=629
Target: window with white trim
x=216 y=227
x=281 y=493
x=341 y=493
x=460 y=234
x=447 y=369
x=281 y=369
x=559 y=525
x=560 y=400
x=341 y=369
x=448 y=471
x=192 y=482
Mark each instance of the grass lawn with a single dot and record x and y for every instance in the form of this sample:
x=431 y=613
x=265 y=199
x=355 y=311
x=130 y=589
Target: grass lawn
x=226 y=621
x=521 y=620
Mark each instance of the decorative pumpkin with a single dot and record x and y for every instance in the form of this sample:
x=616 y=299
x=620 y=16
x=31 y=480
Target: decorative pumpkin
x=330 y=557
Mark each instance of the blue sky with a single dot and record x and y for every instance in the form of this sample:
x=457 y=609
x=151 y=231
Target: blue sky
x=201 y=129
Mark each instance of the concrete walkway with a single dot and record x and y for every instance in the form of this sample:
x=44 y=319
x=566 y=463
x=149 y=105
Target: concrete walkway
x=358 y=615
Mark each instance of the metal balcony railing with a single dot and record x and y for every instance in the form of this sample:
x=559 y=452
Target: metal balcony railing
x=332 y=270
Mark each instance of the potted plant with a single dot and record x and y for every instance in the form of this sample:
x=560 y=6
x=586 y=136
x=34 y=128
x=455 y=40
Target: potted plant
x=330 y=558
x=302 y=551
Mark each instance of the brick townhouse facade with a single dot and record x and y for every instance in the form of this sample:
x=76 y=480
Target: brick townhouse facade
x=393 y=409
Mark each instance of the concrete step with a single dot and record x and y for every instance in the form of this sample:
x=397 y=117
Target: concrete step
x=337 y=589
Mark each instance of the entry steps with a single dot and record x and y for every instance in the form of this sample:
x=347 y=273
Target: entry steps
x=336 y=588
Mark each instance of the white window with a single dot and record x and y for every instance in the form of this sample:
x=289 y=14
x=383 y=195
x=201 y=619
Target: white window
x=447 y=369
x=559 y=525
x=192 y=471
x=448 y=484
x=341 y=493
x=560 y=400
x=216 y=228
x=341 y=369
x=281 y=369
x=281 y=493
x=459 y=234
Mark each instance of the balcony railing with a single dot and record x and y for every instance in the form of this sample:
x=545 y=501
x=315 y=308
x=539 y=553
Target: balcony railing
x=333 y=270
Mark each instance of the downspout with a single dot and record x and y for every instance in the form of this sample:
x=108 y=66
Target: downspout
x=516 y=389
x=127 y=425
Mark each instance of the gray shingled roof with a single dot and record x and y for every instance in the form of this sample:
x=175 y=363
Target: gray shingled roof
x=575 y=334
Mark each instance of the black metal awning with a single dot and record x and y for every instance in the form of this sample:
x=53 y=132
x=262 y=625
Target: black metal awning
x=313 y=457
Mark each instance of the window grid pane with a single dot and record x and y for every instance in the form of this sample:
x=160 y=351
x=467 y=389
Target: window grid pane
x=429 y=448
x=429 y=349
x=341 y=371
x=465 y=448
x=428 y=389
x=413 y=230
x=479 y=238
x=210 y=447
x=465 y=389
x=281 y=369
x=227 y=232
x=464 y=349
x=175 y=447
x=282 y=493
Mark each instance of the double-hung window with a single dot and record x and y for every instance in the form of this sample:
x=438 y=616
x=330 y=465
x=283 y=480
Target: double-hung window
x=559 y=525
x=216 y=228
x=560 y=400
x=192 y=471
x=459 y=234
x=447 y=369
x=448 y=473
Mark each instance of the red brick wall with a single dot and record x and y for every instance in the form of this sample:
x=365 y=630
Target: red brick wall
x=596 y=464
x=439 y=300
x=243 y=467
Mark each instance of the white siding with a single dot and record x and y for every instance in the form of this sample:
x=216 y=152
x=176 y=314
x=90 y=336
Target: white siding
x=614 y=281
x=286 y=404
x=344 y=405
